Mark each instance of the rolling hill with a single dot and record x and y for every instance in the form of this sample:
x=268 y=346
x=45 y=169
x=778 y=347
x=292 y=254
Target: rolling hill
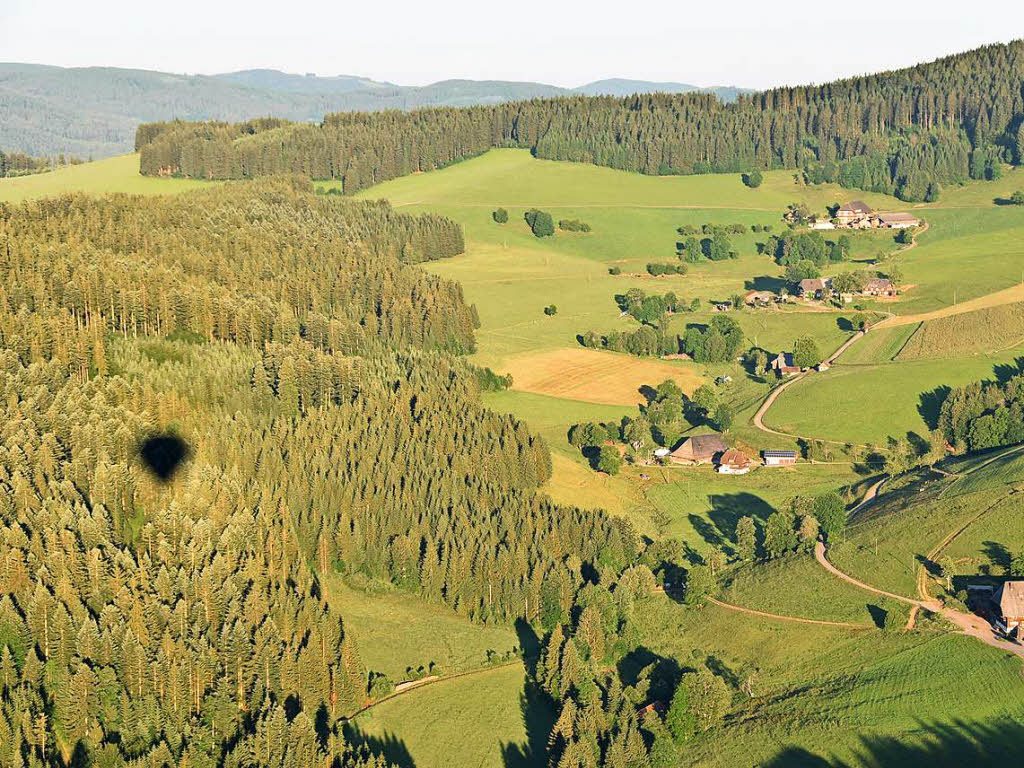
x=92 y=112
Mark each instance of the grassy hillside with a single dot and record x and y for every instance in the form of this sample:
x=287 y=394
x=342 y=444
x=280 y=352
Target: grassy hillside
x=866 y=404
x=886 y=547
x=984 y=330
x=115 y=174
x=831 y=691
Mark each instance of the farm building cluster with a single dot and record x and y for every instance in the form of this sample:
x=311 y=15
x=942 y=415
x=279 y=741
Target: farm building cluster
x=858 y=215
x=819 y=288
x=712 y=449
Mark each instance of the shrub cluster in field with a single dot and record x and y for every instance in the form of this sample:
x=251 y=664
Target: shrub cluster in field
x=984 y=414
x=718 y=342
x=715 y=245
x=573 y=225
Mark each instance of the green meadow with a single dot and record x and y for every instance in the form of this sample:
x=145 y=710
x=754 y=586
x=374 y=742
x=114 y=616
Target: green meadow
x=828 y=692
x=866 y=404
x=114 y=174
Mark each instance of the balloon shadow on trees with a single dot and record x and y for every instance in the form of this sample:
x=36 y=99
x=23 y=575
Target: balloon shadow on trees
x=163 y=455
x=938 y=745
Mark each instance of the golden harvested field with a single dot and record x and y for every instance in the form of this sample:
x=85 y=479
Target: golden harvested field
x=595 y=376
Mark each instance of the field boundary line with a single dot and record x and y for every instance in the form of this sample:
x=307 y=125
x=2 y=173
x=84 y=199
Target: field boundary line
x=425 y=682
x=781 y=617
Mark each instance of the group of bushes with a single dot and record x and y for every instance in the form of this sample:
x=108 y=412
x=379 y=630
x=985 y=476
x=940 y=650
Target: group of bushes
x=717 y=342
x=541 y=223
x=658 y=268
x=984 y=414
x=652 y=309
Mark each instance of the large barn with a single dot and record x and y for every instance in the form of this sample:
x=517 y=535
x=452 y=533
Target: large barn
x=700 y=449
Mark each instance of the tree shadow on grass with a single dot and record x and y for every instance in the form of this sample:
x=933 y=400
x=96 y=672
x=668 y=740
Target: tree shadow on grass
x=1006 y=371
x=538 y=718
x=765 y=283
x=728 y=508
x=936 y=745
x=930 y=404
x=877 y=614
x=389 y=746
x=997 y=554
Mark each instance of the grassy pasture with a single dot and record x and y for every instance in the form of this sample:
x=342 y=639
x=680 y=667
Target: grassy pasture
x=797 y=586
x=480 y=720
x=702 y=507
x=866 y=404
x=881 y=345
x=114 y=174
x=965 y=254
x=395 y=630
x=885 y=546
x=827 y=690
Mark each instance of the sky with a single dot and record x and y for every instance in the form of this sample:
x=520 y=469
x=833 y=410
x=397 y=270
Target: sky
x=567 y=43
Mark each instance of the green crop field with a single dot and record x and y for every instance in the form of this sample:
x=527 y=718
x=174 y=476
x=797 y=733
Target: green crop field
x=115 y=174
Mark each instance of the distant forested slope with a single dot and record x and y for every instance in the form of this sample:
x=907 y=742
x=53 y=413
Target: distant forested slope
x=905 y=132
x=94 y=111
x=309 y=368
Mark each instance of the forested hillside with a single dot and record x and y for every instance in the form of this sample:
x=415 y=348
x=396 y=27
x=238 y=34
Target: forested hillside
x=94 y=111
x=905 y=132
x=308 y=368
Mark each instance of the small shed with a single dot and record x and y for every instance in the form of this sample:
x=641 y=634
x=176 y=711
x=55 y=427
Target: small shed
x=734 y=462
x=700 y=449
x=822 y=224
x=1009 y=600
x=661 y=452
x=774 y=458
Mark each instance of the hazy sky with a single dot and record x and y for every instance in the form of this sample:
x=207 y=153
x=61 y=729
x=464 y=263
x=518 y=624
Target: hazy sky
x=713 y=42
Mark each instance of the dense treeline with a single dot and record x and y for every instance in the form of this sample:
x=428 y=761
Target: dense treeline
x=330 y=429
x=20 y=164
x=943 y=122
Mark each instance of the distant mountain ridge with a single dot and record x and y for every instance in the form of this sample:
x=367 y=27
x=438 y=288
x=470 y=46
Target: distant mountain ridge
x=93 y=111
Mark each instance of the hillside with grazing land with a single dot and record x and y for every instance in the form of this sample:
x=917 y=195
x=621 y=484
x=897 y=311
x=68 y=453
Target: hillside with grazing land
x=618 y=432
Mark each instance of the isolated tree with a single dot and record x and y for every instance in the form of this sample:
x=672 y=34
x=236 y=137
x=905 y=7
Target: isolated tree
x=500 y=215
x=679 y=720
x=746 y=541
x=1017 y=564
x=705 y=399
x=541 y=223
x=753 y=179
x=807 y=533
x=708 y=697
x=806 y=353
x=1017 y=198
x=805 y=269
